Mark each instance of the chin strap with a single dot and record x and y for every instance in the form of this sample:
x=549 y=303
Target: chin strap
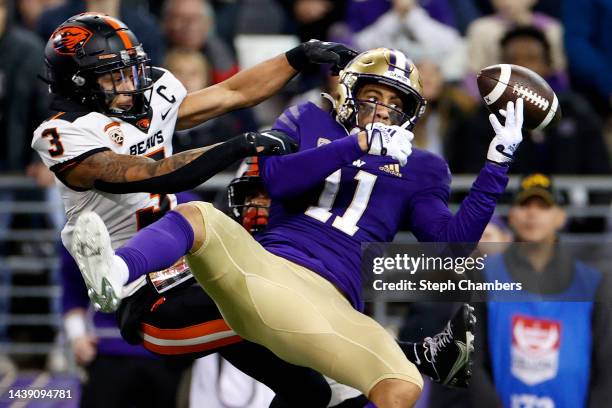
x=330 y=99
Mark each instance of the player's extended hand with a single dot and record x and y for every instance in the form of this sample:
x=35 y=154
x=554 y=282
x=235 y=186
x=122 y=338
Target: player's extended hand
x=325 y=52
x=270 y=142
x=84 y=348
x=507 y=137
x=389 y=140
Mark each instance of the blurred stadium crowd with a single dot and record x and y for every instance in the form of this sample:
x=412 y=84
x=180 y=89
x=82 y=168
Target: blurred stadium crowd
x=204 y=42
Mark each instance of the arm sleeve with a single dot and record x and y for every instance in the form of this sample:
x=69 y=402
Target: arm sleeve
x=293 y=174
x=190 y=175
x=432 y=221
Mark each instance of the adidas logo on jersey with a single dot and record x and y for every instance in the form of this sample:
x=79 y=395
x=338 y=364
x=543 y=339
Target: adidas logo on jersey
x=393 y=169
x=322 y=141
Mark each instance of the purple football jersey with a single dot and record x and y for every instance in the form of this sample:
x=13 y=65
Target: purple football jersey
x=319 y=219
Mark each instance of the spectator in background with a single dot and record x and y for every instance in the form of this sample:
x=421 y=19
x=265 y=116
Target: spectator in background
x=188 y=24
x=200 y=57
x=191 y=68
x=310 y=19
x=143 y=24
x=454 y=13
x=313 y=18
x=587 y=40
x=483 y=34
x=227 y=14
x=30 y=10
x=550 y=347
x=23 y=102
x=409 y=28
x=574 y=146
x=23 y=98
x=447 y=108
x=497 y=234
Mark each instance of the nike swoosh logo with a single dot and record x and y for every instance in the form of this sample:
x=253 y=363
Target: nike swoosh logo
x=163 y=115
x=465 y=352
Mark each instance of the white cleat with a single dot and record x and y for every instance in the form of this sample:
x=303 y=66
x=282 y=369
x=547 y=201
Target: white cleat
x=91 y=246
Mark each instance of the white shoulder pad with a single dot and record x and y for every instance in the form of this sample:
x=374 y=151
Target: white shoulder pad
x=63 y=141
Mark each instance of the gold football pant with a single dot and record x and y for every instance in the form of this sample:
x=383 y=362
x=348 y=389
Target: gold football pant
x=297 y=314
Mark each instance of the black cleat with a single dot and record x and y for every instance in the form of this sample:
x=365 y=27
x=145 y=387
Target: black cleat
x=448 y=354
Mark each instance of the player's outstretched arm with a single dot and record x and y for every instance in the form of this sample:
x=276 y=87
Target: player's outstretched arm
x=253 y=85
x=294 y=174
x=120 y=174
x=431 y=220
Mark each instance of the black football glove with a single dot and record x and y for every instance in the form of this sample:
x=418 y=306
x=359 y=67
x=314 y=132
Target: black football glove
x=273 y=142
x=320 y=52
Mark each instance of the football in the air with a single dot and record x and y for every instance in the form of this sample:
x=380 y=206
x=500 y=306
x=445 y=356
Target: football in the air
x=501 y=83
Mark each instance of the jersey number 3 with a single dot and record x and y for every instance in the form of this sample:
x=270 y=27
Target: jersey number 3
x=346 y=223
x=57 y=148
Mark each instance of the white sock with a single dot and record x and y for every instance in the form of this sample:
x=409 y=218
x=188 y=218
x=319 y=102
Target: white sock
x=121 y=270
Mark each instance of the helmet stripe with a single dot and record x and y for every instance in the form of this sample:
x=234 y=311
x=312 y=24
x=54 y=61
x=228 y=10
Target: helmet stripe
x=391 y=60
x=401 y=61
x=127 y=43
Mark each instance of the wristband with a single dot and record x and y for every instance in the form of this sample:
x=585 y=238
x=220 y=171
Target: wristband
x=74 y=326
x=297 y=58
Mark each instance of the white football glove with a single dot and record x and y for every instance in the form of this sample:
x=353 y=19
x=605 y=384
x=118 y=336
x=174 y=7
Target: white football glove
x=508 y=137
x=389 y=140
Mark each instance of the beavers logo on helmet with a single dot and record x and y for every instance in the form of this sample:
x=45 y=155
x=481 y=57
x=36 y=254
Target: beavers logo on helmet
x=66 y=39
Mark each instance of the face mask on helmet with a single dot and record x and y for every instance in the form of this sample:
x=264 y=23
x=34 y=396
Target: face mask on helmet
x=248 y=200
x=376 y=102
x=125 y=91
x=397 y=98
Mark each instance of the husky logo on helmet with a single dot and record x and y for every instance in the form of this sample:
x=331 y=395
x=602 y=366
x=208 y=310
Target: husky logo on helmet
x=66 y=39
x=380 y=66
x=91 y=46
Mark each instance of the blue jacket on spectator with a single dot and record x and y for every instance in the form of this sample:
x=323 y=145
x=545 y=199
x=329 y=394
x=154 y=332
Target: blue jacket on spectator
x=587 y=42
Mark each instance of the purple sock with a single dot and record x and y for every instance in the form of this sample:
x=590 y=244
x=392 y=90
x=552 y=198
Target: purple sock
x=157 y=246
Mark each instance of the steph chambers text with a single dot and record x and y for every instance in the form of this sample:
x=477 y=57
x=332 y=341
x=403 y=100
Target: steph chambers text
x=449 y=285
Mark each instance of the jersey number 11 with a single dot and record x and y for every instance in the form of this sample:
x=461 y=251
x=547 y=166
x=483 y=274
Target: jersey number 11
x=346 y=223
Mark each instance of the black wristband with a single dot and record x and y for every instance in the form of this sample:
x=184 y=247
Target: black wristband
x=190 y=175
x=297 y=58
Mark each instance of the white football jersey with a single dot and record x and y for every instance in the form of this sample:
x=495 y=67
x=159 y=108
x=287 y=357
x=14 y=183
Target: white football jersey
x=70 y=137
